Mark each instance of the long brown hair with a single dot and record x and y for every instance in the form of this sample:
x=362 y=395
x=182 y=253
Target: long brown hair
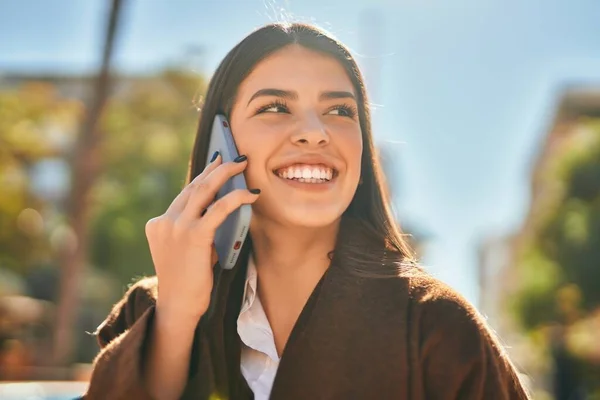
x=370 y=240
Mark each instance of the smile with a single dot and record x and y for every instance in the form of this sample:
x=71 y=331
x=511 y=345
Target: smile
x=306 y=173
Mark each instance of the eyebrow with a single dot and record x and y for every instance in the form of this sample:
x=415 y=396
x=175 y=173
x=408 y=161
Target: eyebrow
x=292 y=95
x=338 y=94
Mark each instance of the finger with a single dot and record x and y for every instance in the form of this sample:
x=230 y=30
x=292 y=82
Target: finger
x=218 y=212
x=216 y=160
x=181 y=200
x=204 y=191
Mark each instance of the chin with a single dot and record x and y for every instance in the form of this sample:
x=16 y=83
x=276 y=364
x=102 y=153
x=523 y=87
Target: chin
x=312 y=221
x=314 y=216
x=303 y=216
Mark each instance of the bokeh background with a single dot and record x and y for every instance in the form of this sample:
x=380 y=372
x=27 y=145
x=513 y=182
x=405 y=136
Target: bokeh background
x=486 y=115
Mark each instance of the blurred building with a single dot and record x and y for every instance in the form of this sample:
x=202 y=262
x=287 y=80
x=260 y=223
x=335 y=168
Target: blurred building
x=575 y=104
x=71 y=86
x=495 y=280
x=498 y=278
x=497 y=283
x=68 y=86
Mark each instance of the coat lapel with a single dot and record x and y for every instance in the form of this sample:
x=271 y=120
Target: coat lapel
x=325 y=351
x=339 y=347
x=314 y=335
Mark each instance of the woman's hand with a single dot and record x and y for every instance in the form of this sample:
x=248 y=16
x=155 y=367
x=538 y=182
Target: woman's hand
x=181 y=240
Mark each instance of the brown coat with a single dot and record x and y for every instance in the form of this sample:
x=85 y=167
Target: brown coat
x=410 y=337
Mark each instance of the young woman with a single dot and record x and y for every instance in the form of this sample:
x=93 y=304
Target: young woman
x=326 y=301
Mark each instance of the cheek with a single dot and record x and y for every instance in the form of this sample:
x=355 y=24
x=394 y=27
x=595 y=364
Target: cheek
x=244 y=139
x=359 y=149
x=251 y=137
x=354 y=150
x=255 y=173
x=255 y=148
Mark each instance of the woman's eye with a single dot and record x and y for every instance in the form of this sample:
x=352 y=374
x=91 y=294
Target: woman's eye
x=343 y=111
x=274 y=108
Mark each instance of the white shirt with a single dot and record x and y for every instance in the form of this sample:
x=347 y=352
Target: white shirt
x=259 y=359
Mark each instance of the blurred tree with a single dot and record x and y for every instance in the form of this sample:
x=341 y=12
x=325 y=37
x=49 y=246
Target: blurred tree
x=559 y=261
x=85 y=167
x=149 y=136
x=561 y=264
x=148 y=128
x=35 y=122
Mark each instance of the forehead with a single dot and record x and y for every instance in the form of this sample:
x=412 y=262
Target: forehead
x=297 y=68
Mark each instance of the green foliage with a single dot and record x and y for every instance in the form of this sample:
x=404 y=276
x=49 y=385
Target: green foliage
x=536 y=303
x=561 y=265
x=148 y=136
x=32 y=118
x=147 y=132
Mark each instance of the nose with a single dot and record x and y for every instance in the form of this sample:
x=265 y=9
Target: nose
x=310 y=132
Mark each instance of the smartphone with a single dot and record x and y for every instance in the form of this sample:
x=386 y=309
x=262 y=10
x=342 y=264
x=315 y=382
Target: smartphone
x=230 y=236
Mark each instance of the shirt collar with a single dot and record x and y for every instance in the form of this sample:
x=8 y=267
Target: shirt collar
x=252 y=324
x=250 y=285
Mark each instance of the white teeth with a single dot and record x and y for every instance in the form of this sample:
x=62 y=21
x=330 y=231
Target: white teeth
x=306 y=173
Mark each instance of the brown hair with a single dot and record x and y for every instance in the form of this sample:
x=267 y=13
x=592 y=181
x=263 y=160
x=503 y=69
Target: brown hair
x=370 y=240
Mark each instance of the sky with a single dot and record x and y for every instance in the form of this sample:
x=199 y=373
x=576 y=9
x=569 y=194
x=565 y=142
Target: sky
x=462 y=91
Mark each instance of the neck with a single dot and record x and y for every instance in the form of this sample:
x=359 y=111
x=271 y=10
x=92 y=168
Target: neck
x=287 y=253
x=289 y=261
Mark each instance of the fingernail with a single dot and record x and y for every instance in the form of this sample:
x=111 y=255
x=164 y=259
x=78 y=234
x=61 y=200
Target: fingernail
x=254 y=191
x=240 y=159
x=214 y=156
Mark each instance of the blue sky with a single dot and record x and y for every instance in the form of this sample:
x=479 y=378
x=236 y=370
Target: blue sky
x=463 y=94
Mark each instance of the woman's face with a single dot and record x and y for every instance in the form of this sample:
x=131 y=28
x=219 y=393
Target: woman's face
x=295 y=117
